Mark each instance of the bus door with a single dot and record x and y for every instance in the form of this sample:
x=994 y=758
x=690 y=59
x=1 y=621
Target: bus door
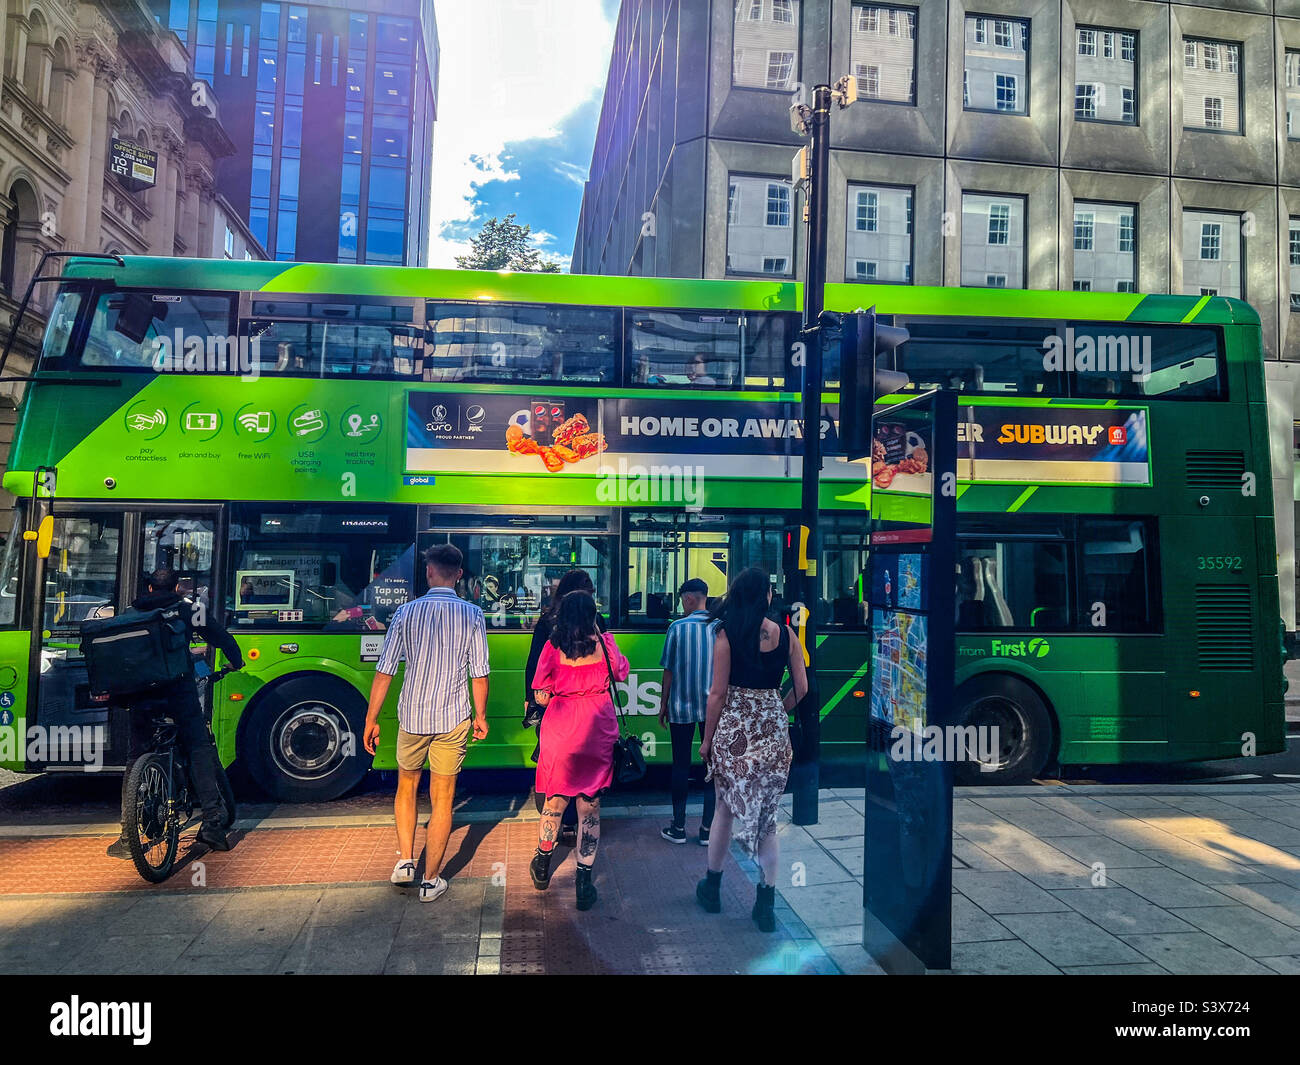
x=99 y=557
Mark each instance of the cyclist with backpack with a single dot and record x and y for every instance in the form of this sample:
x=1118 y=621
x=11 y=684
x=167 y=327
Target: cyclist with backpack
x=179 y=698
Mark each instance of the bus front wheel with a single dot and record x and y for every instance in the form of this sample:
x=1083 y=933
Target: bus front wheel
x=303 y=743
x=1013 y=731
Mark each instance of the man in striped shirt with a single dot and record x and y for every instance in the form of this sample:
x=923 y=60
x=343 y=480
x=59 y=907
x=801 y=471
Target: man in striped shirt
x=443 y=641
x=688 y=670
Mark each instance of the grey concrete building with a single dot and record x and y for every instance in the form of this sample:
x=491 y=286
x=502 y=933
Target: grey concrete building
x=1107 y=145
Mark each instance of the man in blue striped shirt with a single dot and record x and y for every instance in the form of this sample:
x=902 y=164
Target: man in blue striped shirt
x=688 y=670
x=443 y=641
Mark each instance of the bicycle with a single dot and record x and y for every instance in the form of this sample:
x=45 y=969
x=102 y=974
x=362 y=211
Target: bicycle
x=158 y=798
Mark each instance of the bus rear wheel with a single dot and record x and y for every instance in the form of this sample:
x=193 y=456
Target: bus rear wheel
x=303 y=743
x=1022 y=742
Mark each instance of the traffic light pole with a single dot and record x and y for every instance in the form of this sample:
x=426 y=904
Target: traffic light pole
x=805 y=775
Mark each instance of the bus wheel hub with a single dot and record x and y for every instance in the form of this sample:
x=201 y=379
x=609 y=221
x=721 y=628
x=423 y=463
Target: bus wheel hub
x=308 y=740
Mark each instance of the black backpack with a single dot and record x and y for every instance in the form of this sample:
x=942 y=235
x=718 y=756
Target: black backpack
x=138 y=650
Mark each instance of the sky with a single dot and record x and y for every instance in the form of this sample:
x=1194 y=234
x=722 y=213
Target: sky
x=519 y=97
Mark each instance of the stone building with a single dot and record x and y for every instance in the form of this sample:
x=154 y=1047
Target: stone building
x=78 y=76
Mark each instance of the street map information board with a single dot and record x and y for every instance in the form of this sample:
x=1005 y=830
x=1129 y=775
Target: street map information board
x=907 y=918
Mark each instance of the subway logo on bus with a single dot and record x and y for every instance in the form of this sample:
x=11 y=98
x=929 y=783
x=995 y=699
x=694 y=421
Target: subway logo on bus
x=1035 y=648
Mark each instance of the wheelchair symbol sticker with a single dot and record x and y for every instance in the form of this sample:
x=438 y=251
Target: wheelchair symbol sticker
x=6 y=699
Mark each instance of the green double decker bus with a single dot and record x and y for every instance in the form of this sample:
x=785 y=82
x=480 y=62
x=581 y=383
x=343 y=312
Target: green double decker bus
x=290 y=437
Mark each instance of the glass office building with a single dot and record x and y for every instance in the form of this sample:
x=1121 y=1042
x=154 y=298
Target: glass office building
x=331 y=106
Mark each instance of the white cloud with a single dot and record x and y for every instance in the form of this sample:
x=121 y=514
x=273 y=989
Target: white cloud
x=512 y=70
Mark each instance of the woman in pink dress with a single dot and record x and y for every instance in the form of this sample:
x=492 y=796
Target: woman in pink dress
x=576 y=758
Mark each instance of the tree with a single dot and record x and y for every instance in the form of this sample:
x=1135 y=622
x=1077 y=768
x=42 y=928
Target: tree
x=503 y=244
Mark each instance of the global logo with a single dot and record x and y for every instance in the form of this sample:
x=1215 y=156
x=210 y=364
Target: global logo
x=475 y=414
x=1038 y=647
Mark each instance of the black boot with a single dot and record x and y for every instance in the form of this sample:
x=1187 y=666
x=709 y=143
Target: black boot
x=540 y=869
x=708 y=892
x=764 y=903
x=586 y=889
x=213 y=838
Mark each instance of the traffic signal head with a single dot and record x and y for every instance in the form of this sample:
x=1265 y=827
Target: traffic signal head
x=867 y=359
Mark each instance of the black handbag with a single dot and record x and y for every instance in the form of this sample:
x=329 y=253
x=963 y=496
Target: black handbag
x=629 y=757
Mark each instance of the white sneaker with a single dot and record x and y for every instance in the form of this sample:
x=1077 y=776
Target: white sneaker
x=432 y=890
x=403 y=872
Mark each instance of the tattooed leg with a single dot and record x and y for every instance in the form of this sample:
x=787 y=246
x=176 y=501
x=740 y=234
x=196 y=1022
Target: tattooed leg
x=549 y=831
x=588 y=830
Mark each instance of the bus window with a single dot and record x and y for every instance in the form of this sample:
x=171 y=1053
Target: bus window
x=11 y=568
x=512 y=576
x=707 y=349
x=63 y=320
x=126 y=326
x=340 y=339
x=973 y=355
x=666 y=548
x=335 y=569
x=1139 y=360
x=81 y=574
x=843 y=569
x=510 y=342
x=1013 y=584
x=1117 y=577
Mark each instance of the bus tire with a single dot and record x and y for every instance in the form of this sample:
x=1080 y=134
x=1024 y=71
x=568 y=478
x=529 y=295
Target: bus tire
x=303 y=741
x=1024 y=729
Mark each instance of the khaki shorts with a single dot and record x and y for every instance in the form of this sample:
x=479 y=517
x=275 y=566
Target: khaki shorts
x=445 y=750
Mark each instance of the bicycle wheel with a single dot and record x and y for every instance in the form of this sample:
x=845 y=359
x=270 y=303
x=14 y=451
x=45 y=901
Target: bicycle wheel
x=152 y=832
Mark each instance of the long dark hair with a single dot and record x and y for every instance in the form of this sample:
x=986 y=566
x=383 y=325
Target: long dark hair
x=576 y=580
x=575 y=629
x=743 y=609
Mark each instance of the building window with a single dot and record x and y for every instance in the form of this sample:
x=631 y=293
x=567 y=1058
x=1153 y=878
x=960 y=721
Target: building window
x=1104 y=245
x=1106 y=87
x=1294 y=242
x=867 y=213
x=999 y=223
x=1292 y=92
x=996 y=75
x=1125 y=286
x=1212 y=96
x=995 y=280
x=878 y=232
x=780 y=65
x=1213 y=253
x=884 y=62
x=760 y=233
x=1127 y=238
x=1083 y=230
x=1085 y=101
x=778 y=204
x=1211 y=240
x=992 y=238
x=765 y=44
x=230 y=243
x=1082 y=286
x=1006 y=93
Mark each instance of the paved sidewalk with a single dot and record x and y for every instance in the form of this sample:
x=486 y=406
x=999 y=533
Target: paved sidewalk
x=1047 y=879
x=1091 y=878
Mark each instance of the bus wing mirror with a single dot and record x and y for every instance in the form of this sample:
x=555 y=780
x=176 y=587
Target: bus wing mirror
x=44 y=536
